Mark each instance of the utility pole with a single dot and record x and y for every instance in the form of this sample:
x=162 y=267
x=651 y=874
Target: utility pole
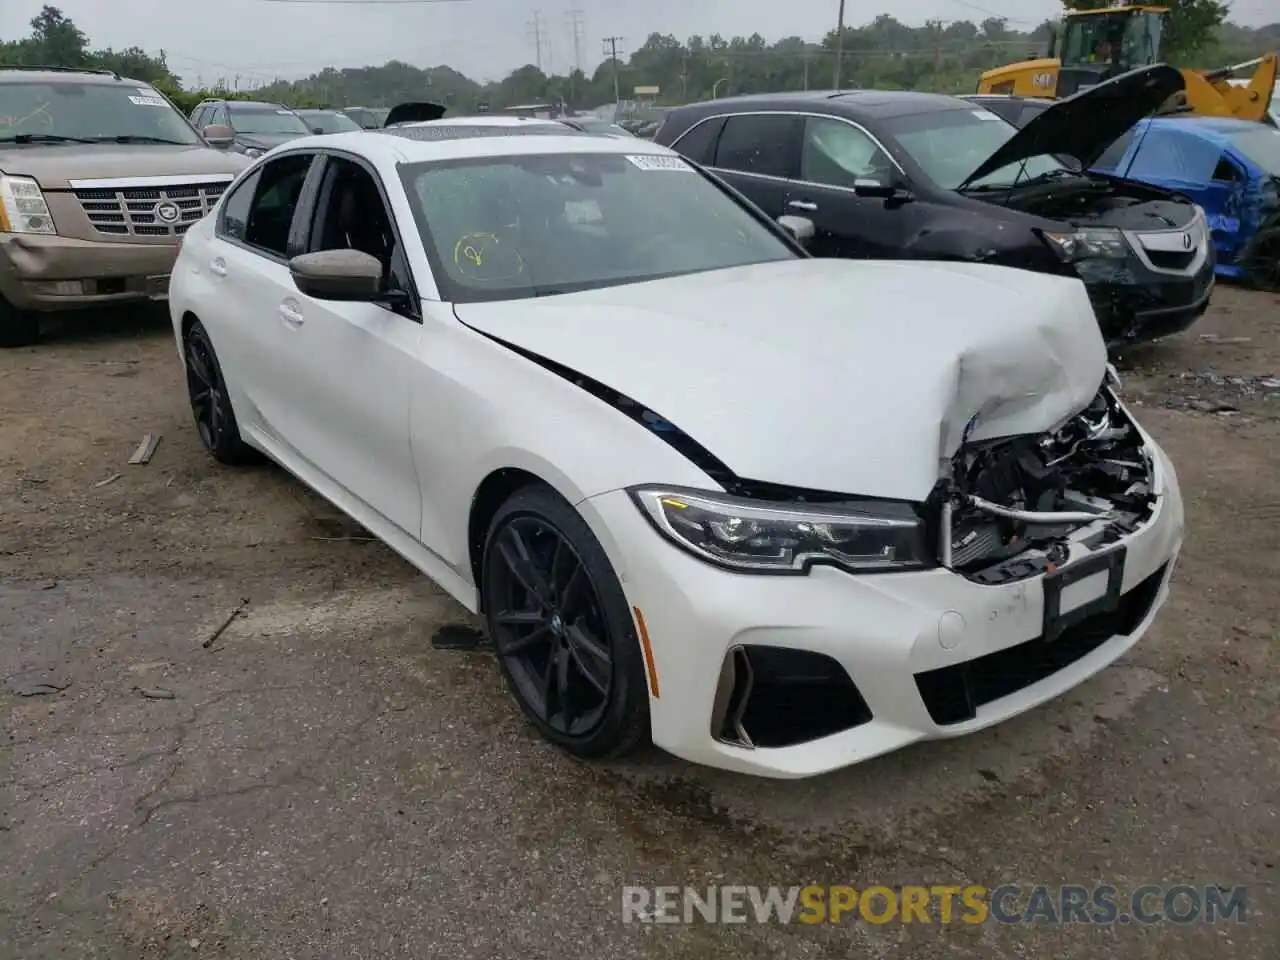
x=805 y=59
x=576 y=25
x=535 y=34
x=611 y=46
x=684 y=78
x=839 y=45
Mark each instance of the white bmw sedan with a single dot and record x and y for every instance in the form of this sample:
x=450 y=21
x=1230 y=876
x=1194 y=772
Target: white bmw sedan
x=780 y=514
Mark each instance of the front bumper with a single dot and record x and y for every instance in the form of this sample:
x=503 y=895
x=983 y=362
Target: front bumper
x=50 y=273
x=1135 y=304
x=894 y=635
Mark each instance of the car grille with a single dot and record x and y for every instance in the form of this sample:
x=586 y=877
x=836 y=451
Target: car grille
x=136 y=211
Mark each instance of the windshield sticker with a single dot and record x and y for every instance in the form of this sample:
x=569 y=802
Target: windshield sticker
x=148 y=101
x=651 y=161
x=984 y=115
x=146 y=92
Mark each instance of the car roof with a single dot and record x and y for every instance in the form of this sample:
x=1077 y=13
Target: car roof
x=1209 y=128
x=857 y=104
x=256 y=104
x=413 y=144
x=1002 y=96
x=39 y=75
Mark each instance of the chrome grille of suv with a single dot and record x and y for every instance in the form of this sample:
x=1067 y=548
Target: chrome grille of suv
x=131 y=211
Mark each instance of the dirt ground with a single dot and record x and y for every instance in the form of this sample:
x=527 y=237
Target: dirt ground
x=324 y=781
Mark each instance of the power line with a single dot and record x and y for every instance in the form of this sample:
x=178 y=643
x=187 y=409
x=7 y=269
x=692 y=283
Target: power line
x=611 y=45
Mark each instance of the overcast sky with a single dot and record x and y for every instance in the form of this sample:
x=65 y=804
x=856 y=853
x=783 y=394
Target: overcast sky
x=485 y=39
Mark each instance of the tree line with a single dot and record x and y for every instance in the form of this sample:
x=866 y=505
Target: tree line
x=883 y=54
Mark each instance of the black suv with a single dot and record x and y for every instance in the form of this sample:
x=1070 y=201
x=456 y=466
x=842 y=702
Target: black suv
x=896 y=175
x=255 y=126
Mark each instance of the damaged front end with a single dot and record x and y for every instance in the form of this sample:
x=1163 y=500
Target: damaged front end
x=1013 y=508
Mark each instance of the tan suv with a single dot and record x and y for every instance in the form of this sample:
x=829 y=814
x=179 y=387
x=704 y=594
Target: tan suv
x=99 y=178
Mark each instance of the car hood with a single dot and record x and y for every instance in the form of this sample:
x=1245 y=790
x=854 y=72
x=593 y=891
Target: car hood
x=834 y=375
x=53 y=166
x=265 y=141
x=1083 y=125
x=417 y=112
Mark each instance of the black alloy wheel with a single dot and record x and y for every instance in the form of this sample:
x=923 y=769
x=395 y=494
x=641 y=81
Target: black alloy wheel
x=561 y=627
x=1263 y=262
x=210 y=403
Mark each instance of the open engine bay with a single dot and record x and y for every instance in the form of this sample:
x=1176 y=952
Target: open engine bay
x=1018 y=504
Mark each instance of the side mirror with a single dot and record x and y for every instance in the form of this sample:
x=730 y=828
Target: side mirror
x=801 y=228
x=317 y=129
x=348 y=275
x=883 y=190
x=218 y=135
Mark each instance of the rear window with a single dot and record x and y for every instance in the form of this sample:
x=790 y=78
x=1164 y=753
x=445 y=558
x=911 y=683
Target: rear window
x=96 y=112
x=259 y=118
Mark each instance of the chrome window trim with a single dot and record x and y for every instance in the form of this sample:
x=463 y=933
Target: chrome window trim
x=803 y=114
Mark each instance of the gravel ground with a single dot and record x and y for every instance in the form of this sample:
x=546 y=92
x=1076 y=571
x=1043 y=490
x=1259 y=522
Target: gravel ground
x=323 y=781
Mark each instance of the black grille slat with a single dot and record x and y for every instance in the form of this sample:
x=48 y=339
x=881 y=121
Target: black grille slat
x=131 y=210
x=954 y=694
x=1167 y=260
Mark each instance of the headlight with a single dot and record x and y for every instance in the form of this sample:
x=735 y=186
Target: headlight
x=758 y=537
x=1088 y=243
x=22 y=207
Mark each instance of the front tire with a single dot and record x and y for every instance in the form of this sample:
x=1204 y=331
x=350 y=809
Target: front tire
x=18 y=328
x=562 y=628
x=210 y=402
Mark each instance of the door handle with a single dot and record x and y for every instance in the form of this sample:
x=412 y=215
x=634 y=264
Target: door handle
x=218 y=267
x=290 y=314
x=803 y=205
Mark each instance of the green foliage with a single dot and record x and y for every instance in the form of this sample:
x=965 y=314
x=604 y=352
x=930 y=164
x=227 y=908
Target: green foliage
x=1191 y=28
x=884 y=54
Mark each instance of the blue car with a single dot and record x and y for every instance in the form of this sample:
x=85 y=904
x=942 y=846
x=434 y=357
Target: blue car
x=1229 y=167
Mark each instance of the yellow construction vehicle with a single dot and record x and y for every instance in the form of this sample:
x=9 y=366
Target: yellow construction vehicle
x=1095 y=45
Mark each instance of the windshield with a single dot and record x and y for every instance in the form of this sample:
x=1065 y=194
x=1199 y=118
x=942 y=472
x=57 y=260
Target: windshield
x=1128 y=39
x=952 y=144
x=329 y=122
x=535 y=225
x=603 y=127
x=1261 y=146
x=269 y=120
x=89 y=111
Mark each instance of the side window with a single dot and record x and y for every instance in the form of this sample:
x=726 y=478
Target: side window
x=195 y=118
x=1226 y=172
x=274 y=203
x=836 y=153
x=351 y=215
x=218 y=114
x=763 y=144
x=1112 y=156
x=235 y=211
x=699 y=143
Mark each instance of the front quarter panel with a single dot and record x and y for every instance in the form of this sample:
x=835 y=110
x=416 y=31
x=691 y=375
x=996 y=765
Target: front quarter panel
x=480 y=408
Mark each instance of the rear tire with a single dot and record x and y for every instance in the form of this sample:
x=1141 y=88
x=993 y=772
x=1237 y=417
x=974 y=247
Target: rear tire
x=210 y=402
x=561 y=627
x=18 y=328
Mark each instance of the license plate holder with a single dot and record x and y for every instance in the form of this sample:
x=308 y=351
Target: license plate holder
x=1056 y=621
